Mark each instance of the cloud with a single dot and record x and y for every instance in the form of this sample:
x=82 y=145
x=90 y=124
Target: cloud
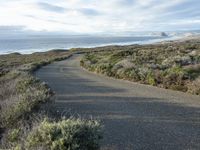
x=50 y=7
x=11 y=28
x=93 y=16
x=88 y=11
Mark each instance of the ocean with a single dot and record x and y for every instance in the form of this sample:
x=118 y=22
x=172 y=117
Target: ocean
x=38 y=43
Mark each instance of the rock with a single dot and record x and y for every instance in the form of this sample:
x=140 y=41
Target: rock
x=163 y=34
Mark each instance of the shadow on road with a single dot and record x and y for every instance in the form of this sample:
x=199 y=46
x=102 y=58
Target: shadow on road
x=130 y=122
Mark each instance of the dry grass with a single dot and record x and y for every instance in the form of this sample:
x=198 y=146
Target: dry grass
x=24 y=103
x=21 y=94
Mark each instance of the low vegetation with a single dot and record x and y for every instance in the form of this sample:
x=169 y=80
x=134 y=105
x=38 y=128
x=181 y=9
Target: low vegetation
x=67 y=134
x=173 y=65
x=21 y=92
x=72 y=134
x=25 y=122
x=24 y=102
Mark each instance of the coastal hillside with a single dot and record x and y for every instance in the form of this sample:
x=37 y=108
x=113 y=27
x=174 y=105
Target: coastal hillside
x=170 y=65
x=27 y=120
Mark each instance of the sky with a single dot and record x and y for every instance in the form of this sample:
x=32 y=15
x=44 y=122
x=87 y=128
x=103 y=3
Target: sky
x=99 y=16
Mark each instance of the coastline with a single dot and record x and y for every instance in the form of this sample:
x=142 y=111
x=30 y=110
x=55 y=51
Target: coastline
x=171 y=65
x=122 y=43
x=181 y=39
x=17 y=73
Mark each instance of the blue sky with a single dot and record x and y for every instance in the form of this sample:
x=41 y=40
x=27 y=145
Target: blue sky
x=99 y=16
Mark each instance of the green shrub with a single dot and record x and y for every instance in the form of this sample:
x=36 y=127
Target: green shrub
x=25 y=82
x=174 y=79
x=70 y=134
x=170 y=65
x=13 y=135
x=175 y=70
x=194 y=86
x=143 y=72
x=193 y=71
x=31 y=93
x=21 y=94
x=151 y=79
x=131 y=74
x=104 y=68
x=92 y=57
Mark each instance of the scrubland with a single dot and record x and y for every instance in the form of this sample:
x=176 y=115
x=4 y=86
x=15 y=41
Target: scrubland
x=171 y=65
x=26 y=118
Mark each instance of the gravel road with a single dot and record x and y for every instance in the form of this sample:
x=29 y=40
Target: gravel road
x=135 y=116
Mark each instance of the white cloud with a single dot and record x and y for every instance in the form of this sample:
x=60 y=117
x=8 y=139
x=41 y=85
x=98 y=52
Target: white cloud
x=91 y=16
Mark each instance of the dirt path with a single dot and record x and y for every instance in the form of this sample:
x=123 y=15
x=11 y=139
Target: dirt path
x=134 y=116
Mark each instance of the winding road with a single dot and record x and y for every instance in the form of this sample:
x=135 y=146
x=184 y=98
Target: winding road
x=135 y=116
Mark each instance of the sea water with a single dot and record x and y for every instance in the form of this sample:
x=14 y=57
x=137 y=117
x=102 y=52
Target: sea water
x=38 y=43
